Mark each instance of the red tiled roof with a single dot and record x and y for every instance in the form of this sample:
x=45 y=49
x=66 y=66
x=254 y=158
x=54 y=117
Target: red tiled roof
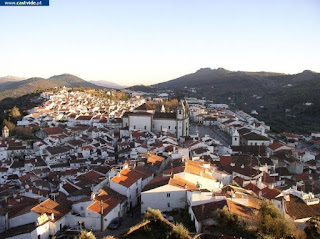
x=181 y=183
x=253 y=188
x=241 y=210
x=49 y=207
x=276 y=145
x=152 y=158
x=145 y=173
x=157 y=181
x=225 y=160
x=53 y=130
x=270 y=193
x=92 y=175
x=84 y=117
x=298 y=209
x=127 y=177
x=87 y=147
x=205 y=211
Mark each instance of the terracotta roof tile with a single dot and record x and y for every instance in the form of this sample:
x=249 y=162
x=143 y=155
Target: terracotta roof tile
x=49 y=207
x=127 y=177
x=204 y=211
x=181 y=183
x=53 y=130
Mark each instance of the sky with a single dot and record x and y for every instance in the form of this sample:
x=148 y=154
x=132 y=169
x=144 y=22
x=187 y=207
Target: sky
x=145 y=42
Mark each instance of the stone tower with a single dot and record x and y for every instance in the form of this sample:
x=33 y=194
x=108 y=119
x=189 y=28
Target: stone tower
x=182 y=120
x=235 y=138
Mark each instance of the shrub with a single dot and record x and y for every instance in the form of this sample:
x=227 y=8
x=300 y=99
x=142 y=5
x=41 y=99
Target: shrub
x=109 y=237
x=86 y=235
x=231 y=224
x=153 y=214
x=179 y=232
x=274 y=224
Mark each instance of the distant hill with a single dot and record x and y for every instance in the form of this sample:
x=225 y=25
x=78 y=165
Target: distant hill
x=10 y=78
x=287 y=102
x=22 y=87
x=143 y=88
x=108 y=84
x=220 y=79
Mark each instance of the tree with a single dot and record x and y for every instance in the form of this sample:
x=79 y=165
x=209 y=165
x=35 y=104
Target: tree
x=313 y=228
x=15 y=112
x=153 y=214
x=23 y=132
x=179 y=232
x=86 y=235
x=230 y=223
x=274 y=224
x=11 y=126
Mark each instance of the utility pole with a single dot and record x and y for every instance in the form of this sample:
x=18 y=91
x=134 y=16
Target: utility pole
x=101 y=211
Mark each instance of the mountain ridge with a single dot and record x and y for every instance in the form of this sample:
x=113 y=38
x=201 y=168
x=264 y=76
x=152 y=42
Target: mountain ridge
x=280 y=99
x=22 y=87
x=108 y=84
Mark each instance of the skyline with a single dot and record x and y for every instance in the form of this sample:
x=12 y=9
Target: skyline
x=146 y=43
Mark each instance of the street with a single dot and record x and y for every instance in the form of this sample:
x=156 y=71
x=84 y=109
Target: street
x=213 y=132
x=128 y=221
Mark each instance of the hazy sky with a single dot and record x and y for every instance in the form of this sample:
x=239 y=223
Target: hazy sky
x=144 y=42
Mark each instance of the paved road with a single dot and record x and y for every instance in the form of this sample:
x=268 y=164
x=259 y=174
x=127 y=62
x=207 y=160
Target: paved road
x=128 y=221
x=212 y=131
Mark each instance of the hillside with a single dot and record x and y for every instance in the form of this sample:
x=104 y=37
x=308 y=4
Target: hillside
x=280 y=99
x=143 y=88
x=108 y=84
x=10 y=79
x=19 y=88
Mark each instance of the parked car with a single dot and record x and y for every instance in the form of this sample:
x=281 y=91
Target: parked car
x=115 y=223
x=74 y=230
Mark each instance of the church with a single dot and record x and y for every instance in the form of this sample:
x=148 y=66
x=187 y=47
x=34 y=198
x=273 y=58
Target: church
x=147 y=118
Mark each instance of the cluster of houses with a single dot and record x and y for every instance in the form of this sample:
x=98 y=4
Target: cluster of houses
x=94 y=160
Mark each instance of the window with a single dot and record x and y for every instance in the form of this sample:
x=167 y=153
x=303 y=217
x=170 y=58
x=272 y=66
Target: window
x=134 y=126
x=168 y=195
x=168 y=204
x=169 y=127
x=235 y=139
x=137 y=191
x=161 y=127
x=145 y=127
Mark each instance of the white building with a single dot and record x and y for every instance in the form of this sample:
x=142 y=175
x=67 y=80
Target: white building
x=164 y=198
x=128 y=183
x=144 y=118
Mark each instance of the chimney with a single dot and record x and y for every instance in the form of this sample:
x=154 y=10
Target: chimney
x=119 y=174
x=93 y=196
x=52 y=216
x=287 y=197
